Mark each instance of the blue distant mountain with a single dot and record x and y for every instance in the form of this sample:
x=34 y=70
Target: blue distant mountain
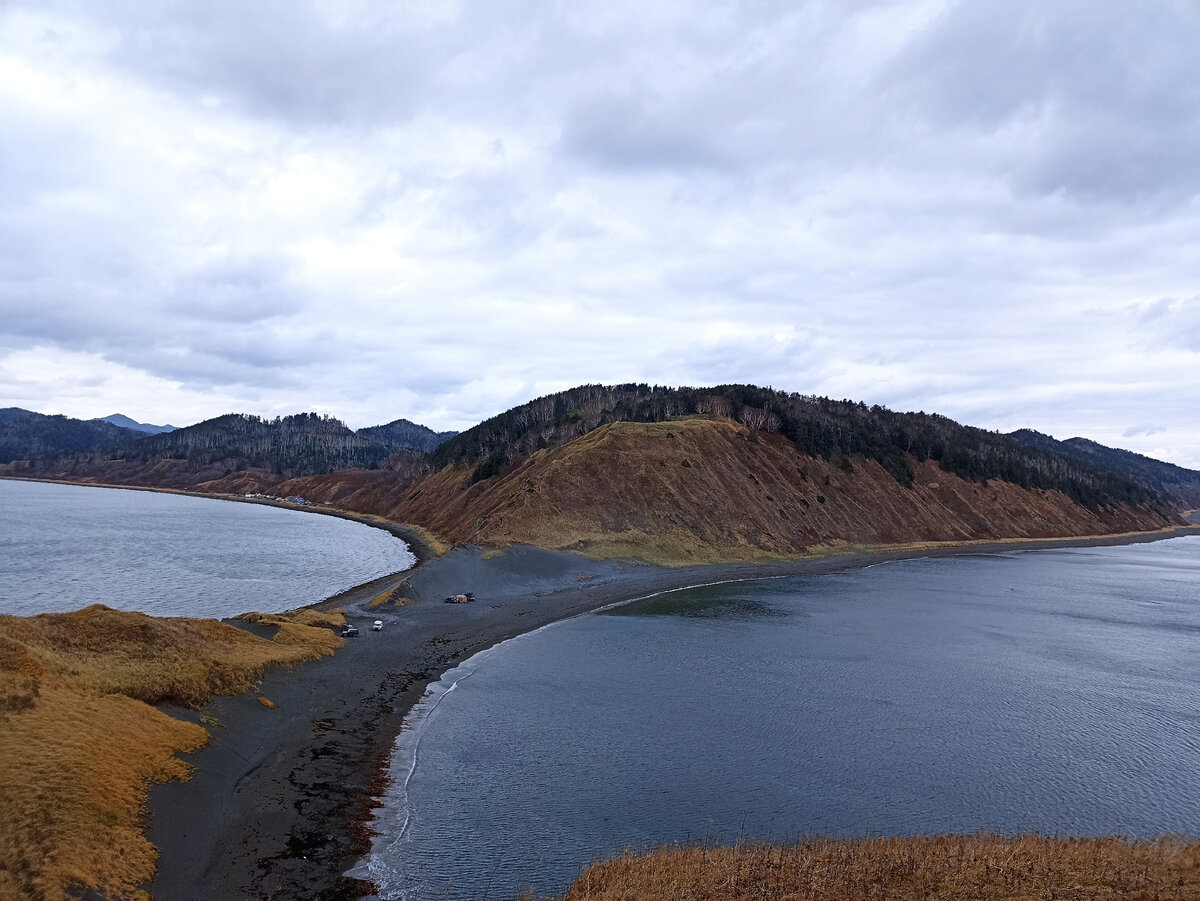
x=126 y=423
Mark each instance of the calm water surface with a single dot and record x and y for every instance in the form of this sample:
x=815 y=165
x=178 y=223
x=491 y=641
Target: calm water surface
x=1053 y=691
x=63 y=547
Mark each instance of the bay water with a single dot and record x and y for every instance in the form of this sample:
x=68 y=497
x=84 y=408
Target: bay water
x=64 y=547
x=1055 y=692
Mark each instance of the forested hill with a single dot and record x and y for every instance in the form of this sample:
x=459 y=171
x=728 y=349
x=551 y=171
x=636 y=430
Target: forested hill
x=403 y=434
x=26 y=435
x=673 y=475
x=303 y=444
x=1169 y=480
x=840 y=431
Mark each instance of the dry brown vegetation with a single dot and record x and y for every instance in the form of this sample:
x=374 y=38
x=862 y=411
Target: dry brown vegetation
x=391 y=596
x=80 y=741
x=938 y=868
x=434 y=543
x=709 y=490
x=706 y=489
x=695 y=490
x=384 y=597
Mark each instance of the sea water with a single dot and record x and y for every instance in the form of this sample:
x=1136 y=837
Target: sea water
x=1049 y=691
x=64 y=547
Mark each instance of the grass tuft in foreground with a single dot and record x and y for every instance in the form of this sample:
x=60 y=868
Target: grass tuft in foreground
x=931 y=868
x=80 y=741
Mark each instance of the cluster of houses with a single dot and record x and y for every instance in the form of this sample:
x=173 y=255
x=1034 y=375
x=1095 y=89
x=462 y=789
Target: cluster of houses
x=271 y=497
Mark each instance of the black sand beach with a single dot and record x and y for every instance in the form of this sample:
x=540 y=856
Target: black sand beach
x=279 y=799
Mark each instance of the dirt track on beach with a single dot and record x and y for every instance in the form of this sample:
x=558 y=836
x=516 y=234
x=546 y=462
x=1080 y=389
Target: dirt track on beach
x=279 y=799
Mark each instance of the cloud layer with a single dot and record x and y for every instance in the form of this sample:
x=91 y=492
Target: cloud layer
x=988 y=209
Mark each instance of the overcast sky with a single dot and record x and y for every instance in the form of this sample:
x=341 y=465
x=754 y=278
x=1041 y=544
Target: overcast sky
x=434 y=210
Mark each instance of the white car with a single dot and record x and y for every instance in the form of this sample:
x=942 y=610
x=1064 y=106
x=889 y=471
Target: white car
x=377 y=625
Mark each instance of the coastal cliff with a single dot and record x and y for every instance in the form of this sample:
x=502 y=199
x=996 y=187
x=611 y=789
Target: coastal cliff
x=710 y=490
x=671 y=475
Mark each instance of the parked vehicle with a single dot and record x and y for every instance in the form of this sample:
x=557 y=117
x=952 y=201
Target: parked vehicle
x=377 y=625
x=349 y=631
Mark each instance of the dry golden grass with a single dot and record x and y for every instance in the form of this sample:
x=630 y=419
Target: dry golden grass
x=933 y=868
x=310 y=632
x=391 y=596
x=671 y=548
x=382 y=598
x=79 y=741
x=676 y=547
x=435 y=544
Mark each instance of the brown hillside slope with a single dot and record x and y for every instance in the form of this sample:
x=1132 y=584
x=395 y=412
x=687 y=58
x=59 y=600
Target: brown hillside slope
x=220 y=477
x=709 y=489
x=693 y=490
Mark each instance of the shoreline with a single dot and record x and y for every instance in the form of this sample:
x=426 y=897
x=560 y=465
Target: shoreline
x=280 y=802
x=409 y=535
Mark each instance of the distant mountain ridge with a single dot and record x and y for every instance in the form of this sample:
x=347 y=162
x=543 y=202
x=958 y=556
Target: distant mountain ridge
x=27 y=435
x=301 y=444
x=403 y=434
x=1167 y=479
x=126 y=423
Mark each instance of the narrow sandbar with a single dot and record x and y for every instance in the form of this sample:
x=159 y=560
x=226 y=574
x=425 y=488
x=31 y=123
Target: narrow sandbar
x=279 y=800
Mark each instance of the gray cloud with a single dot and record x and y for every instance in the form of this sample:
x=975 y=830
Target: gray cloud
x=1091 y=102
x=985 y=209
x=304 y=62
x=236 y=293
x=630 y=133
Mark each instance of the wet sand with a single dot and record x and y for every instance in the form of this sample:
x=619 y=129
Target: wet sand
x=277 y=805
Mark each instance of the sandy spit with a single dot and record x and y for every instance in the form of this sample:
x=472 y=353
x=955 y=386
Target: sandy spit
x=278 y=803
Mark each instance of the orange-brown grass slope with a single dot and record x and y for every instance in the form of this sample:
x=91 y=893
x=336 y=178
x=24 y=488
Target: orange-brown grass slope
x=80 y=741
x=710 y=489
x=939 y=868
